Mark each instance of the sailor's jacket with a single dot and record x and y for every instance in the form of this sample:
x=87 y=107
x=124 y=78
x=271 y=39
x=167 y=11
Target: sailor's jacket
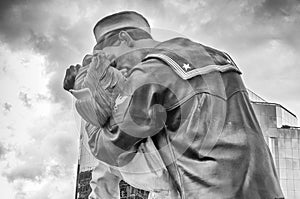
x=190 y=99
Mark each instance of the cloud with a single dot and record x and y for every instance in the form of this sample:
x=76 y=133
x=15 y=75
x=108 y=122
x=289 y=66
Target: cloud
x=5 y=7
x=51 y=29
x=279 y=20
x=25 y=99
x=3 y=151
x=20 y=195
x=40 y=129
x=32 y=171
x=58 y=190
x=7 y=107
x=13 y=20
x=271 y=8
x=60 y=31
x=49 y=153
x=52 y=145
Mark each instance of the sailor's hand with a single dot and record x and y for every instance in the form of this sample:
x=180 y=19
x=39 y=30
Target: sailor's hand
x=70 y=75
x=100 y=62
x=87 y=60
x=97 y=70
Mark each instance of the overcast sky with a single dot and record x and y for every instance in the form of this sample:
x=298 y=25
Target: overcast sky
x=39 y=39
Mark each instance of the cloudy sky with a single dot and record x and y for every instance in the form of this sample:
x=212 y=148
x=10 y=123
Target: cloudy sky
x=39 y=39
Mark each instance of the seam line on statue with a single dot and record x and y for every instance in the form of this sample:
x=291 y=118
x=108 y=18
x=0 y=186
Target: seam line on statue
x=175 y=162
x=237 y=91
x=189 y=96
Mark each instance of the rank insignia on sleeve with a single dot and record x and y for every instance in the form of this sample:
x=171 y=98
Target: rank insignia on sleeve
x=187 y=70
x=186 y=67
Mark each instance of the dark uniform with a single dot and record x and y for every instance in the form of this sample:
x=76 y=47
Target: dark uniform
x=192 y=101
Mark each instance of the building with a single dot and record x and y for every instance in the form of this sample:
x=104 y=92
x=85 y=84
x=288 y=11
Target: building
x=283 y=137
x=280 y=132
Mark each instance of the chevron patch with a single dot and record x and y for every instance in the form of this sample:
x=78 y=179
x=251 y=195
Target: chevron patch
x=186 y=70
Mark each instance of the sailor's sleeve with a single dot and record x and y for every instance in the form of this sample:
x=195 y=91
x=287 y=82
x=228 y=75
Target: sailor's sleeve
x=98 y=91
x=138 y=113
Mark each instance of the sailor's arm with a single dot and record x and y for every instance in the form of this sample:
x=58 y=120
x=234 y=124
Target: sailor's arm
x=137 y=114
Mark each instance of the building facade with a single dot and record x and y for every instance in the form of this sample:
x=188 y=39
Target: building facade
x=280 y=132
